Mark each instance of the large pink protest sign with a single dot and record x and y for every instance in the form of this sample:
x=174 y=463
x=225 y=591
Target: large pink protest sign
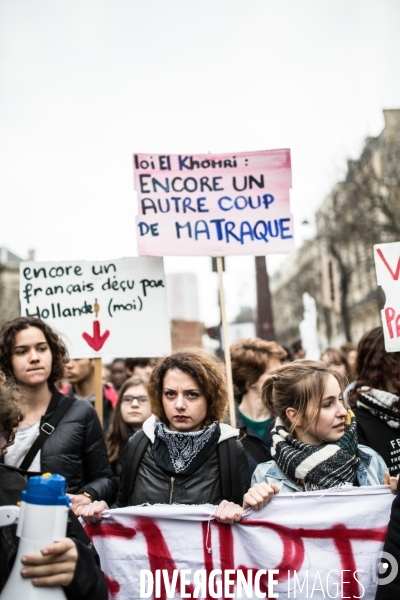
x=214 y=204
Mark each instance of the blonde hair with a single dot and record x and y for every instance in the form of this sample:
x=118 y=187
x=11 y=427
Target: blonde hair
x=297 y=385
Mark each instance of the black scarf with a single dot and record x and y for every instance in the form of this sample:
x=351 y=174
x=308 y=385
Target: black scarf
x=318 y=467
x=183 y=453
x=383 y=405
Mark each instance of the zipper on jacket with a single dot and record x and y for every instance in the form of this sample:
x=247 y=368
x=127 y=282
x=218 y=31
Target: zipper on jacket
x=171 y=493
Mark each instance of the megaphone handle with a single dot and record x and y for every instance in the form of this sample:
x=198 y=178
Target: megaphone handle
x=8 y=515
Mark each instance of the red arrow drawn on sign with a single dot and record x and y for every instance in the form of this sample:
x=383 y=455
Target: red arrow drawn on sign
x=97 y=341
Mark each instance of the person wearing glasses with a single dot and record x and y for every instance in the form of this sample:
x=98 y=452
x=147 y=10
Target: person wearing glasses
x=131 y=411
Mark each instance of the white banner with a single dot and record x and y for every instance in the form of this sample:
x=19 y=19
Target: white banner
x=309 y=545
x=113 y=307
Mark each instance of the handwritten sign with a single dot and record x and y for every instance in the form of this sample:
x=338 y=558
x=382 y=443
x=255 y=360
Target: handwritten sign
x=115 y=307
x=310 y=543
x=214 y=204
x=387 y=265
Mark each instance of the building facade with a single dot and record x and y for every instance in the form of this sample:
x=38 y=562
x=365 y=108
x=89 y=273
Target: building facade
x=337 y=266
x=9 y=285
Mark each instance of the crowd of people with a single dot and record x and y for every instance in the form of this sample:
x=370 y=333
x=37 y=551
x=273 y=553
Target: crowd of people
x=301 y=425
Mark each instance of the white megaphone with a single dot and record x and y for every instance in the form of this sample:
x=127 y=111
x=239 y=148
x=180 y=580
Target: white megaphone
x=42 y=520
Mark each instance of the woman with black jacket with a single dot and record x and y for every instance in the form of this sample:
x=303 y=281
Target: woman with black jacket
x=33 y=356
x=375 y=398
x=184 y=454
x=72 y=563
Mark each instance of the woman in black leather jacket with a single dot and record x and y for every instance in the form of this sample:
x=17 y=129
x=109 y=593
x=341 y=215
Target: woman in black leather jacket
x=33 y=356
x=184 y=448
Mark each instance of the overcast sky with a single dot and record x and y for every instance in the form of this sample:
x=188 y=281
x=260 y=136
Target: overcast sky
x=84 y=84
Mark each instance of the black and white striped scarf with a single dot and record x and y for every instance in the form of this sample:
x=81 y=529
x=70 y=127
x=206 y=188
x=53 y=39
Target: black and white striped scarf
x=383 y=405
x=317 y=467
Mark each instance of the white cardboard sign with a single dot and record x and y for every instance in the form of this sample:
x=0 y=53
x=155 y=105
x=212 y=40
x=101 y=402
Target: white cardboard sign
x=387 y=265
x=114 y=307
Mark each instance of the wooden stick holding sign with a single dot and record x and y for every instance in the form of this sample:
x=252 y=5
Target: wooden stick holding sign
x=98 y=388
x=225 y=336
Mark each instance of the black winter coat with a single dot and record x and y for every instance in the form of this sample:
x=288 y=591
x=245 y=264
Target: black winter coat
x=379 y=436
x=154 y=486
x=88 y=583
x=77 y=450
x=391 y=591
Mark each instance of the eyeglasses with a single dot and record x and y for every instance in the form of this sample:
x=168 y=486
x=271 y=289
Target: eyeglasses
x=130 y=399
x=7 y=436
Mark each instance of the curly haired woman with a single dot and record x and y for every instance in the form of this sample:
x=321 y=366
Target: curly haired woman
x=185 y=443
x=34 y=357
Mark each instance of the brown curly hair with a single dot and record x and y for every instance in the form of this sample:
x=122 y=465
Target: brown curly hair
x=117 y=434
x=203 y=368
x=250 y=358
x=58 y=350
x=374 y=366
x=11 y=404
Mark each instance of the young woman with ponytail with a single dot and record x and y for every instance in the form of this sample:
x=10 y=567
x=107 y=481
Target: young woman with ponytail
x=314 y=441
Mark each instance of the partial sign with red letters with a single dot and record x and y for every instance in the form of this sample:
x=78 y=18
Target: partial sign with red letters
x=387 y=265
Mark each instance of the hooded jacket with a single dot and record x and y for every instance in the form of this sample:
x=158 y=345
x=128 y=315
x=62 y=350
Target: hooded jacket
x=154 y=486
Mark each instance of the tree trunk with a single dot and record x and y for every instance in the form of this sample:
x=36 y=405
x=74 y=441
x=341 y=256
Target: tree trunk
x=344 y=293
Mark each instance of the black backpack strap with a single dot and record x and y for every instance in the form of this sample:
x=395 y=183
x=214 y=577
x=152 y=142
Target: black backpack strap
x=229 y=470
x=136 y=449
x=46 y=430
x=255 y=452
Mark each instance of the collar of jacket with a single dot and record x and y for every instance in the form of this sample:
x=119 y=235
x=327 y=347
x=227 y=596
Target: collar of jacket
x=365 y=459
x=227 y=431
x=240 y=424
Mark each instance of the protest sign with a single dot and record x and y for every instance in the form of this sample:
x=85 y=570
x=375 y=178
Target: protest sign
x=114 y=307
x=214 y=204
x=312 y=545
x=387 y=265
